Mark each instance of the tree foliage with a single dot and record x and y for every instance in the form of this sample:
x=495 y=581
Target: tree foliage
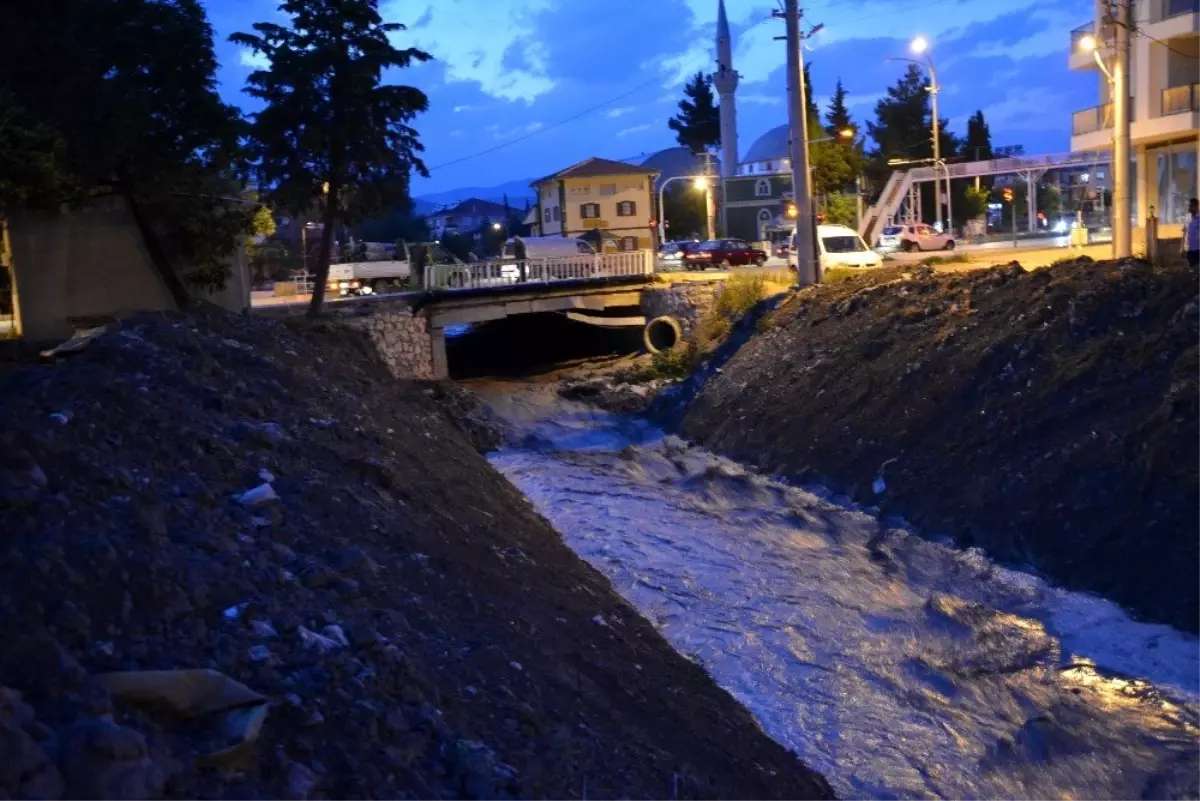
x=123 y=95
x=31 y=161
x=837 y=116
x=697 y=126
x=684 y=212
x=331 y=134
x=975 y=202
x=840 y=209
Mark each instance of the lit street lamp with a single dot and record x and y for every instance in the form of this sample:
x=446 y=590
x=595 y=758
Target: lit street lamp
x=698 y=182
x=920 y=46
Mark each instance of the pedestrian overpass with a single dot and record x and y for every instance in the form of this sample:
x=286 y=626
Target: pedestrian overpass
x=900 y=199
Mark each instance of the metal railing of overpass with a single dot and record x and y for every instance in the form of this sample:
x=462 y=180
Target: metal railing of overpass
x=584 y=267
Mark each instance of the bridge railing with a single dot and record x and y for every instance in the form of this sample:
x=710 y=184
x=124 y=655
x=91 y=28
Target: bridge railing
x=484 y=274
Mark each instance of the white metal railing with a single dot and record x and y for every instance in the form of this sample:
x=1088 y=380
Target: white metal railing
x=538 y=271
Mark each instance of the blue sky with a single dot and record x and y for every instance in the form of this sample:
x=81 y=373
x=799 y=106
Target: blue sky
x=507 y=69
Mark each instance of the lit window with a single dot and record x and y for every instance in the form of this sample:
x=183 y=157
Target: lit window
x=626 y=208
x=590 y=211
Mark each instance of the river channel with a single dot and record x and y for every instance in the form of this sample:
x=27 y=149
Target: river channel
x=896 y=666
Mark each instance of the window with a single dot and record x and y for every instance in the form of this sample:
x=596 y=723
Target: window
x=737 y=244
x=762 y=188
x=590 y=211
x=584 y=247
x=608 y=189
x=546 y=215
x=626 y=208
x=556 y=215
x=843 y=244
x=629 y=243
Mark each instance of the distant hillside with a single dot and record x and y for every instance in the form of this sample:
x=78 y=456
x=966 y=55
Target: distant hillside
x=517 y=191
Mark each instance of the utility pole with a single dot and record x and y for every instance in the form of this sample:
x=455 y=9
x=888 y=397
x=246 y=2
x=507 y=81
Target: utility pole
x=807 y=269
x=710 y=206
x=1122 y=235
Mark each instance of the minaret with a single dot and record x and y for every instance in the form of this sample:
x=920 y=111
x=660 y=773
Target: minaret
x=726 y=81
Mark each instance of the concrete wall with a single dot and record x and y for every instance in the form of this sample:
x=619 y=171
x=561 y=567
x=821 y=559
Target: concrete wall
x=92 y=263
x=686 y=302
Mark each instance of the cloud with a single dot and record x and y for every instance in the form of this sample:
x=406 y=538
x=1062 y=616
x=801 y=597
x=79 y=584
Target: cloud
x=474 y=40
x=254 y=59
x=613 y=113
x=634 y=130
x=463 y=107
x=520 y=130
x=759 y=100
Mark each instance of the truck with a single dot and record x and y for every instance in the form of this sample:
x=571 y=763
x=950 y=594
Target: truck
x=372 y=268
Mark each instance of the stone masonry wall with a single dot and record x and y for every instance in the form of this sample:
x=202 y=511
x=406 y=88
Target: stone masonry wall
x=402 y=339
x=686 y=302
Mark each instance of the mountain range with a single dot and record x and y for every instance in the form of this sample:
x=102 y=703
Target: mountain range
x=517 y=192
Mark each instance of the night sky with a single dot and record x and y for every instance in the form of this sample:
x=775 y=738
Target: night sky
x=506 y=69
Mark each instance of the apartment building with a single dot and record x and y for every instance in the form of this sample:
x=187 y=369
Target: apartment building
x=1165 y=87
x=610 y=201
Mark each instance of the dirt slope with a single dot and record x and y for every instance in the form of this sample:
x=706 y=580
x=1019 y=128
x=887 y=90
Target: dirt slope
x=1049 y=416
x=418 y=630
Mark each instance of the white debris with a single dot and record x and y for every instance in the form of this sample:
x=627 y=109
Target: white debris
x=235 y=611
x=259 y=653
x=336 y=634
x=879 y=486
x=515 y=665
x=266 y=475
x=263 y=628
x=313 y=640
x=62 y=418
x=263 y=493
x=599 y=620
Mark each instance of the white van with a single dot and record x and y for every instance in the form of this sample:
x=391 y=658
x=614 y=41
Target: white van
x=839 y=246
x=549 y=247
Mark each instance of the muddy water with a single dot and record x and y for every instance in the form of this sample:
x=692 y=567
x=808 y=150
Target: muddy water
x=896 y=666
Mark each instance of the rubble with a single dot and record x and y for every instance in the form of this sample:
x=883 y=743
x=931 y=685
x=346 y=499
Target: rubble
x=1049 y=417
x=369 y=602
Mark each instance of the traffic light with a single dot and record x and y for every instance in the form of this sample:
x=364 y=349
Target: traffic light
x=790 y=210
x=1008 y=194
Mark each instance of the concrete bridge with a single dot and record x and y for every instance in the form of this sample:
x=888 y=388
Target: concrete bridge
x=408 y=328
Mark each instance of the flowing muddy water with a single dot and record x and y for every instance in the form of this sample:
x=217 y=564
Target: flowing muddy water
x=896 y=666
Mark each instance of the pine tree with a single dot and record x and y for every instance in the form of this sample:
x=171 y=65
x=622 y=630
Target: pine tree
x=697 y=126
x=978 y=146
x=837 y=117
x=331 y=134
x=810 y=104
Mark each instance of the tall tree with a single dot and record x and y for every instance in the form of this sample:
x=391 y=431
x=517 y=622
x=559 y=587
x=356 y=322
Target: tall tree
x=126 y=90
x=331 y=134
x=837 y=116
x=697 y=126
x=978 y=146
x=810 y=103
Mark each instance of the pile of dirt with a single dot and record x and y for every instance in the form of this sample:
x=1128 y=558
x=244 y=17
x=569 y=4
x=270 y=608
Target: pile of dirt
x=1048 y=416
x=261 y=501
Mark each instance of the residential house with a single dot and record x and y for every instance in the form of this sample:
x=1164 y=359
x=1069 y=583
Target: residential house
x=599 y=199
x=467 y=217
x=1165 y=104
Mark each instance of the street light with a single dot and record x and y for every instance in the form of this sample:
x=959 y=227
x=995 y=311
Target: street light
x=698 y=182
x=920 y=46
x=496 y=226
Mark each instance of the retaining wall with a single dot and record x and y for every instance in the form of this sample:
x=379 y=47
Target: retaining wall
x=403 y=340
x=686 y=302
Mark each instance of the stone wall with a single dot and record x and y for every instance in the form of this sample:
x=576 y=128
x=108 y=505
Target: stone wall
x=402 y=338
x=686 y=302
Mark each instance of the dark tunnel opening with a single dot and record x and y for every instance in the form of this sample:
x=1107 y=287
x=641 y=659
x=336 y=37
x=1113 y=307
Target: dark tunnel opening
x=530 y=344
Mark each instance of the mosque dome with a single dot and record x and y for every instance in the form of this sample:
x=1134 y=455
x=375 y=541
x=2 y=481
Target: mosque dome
x=676 y=161
x=771 y=146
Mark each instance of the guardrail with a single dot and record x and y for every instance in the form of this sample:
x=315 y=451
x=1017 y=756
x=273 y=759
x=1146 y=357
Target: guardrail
x=1180 y=99
x=482 y=274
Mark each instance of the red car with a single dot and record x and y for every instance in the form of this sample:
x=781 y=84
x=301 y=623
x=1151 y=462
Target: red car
x=724 y=253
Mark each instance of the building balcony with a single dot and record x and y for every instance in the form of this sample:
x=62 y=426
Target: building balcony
x=1181 y=99
x=1096 y=118
x=1171 y=19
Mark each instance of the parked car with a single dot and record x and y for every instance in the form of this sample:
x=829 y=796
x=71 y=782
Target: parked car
x=671 y=253
x=839 y=246
x=548 y=247
x=917 y=236
x=724 y=253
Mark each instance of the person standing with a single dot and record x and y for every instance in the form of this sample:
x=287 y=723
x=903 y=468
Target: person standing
x=519 y=255
x=1191 y=234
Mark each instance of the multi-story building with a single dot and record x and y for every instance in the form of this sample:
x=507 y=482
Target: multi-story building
x=467 y=217
x=609 y=201
x=1165 y=103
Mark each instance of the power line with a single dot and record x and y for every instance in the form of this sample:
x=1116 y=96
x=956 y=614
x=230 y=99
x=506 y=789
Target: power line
x=543 y=129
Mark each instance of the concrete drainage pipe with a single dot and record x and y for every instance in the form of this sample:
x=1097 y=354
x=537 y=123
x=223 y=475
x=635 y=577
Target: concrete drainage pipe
x=662 y=333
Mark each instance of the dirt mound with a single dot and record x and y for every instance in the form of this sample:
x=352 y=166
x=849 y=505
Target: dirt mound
x=262 y=501
x=1048 y=416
